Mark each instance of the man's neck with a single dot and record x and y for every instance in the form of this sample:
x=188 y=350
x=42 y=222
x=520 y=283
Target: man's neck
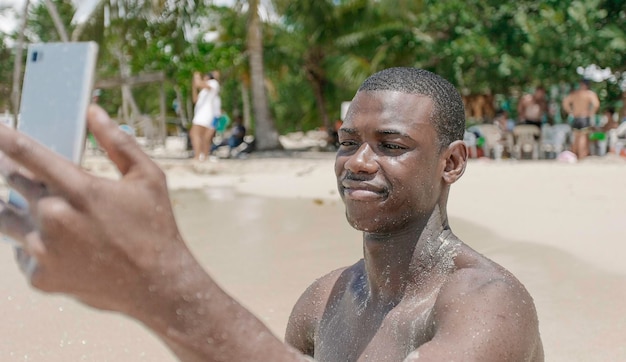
x=397 y=261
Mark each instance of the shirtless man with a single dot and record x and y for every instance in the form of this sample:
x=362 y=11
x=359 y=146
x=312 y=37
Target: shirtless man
x=582 y=105
x=532 y=108
x=419 y=293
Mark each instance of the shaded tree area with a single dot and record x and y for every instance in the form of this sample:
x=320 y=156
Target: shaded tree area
x=312 y=55
x=6 y=69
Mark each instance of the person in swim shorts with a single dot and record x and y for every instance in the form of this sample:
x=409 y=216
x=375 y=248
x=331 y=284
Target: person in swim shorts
x=581 y=105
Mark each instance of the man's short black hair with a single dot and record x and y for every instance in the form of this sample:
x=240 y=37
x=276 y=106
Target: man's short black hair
x=448 y=115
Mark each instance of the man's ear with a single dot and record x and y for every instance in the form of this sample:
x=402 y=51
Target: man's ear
x=456 y=160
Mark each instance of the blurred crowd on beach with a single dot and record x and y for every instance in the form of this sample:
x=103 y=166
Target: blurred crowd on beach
x=544 y=127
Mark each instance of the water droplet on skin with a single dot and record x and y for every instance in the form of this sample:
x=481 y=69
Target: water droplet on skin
x=179 y=311
x=152 y=288
x=60 y=309
x=83 y=342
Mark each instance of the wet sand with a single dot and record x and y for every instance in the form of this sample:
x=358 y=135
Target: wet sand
x=266 y=228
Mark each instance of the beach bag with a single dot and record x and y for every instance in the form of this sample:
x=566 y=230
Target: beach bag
x=222 y=122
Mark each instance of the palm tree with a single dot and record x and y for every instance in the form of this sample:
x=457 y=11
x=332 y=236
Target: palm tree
x=17 y=66
x=266 y=135
x=333 y=40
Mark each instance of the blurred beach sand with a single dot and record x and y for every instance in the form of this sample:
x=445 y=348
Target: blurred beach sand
x=266 y=227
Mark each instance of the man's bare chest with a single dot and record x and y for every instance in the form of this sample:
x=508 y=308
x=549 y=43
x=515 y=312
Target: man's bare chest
x=349 y=333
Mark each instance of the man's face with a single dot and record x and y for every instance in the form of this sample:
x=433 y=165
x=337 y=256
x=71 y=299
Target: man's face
x=388 y=165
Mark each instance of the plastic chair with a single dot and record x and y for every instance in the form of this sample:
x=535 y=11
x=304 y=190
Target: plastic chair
x=554 y=139
x=566 y=130
x=526 y=138
x=493 y=139
x=470 y=141
x=617 y=138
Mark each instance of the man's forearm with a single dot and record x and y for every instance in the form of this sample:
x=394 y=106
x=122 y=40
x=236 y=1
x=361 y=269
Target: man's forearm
x=200 y=322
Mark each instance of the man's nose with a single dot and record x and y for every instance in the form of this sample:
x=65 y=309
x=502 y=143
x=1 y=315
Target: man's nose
x=362 y=161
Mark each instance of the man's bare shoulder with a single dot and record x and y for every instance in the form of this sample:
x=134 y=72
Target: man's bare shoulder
x=308 y=310
x=320 y=289
x=526 y=99
x=473 y=273
x=483 y=304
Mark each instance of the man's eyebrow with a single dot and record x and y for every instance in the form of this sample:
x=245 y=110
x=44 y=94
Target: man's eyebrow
x=383 y=132
x=393 y=132
x=348 y=130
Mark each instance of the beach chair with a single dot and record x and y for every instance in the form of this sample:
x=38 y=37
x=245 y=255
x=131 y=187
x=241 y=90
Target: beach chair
x=554 y=139
x=470 y=141
x=493 y=146
x=566 y=130
x=526 y=138
x=617 y=138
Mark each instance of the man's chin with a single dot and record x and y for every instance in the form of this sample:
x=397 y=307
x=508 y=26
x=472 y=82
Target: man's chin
x=365 y=223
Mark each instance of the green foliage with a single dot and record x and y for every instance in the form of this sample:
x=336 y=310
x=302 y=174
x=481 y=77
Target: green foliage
x=318 y=52
x=6 y=68
x=40 y=25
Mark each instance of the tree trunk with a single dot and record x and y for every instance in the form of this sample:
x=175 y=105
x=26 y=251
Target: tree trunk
x=17 y=66
x=245 y=100
x=56 y=19
x=318 y=91
x=266 y=136
x=623 y=111
x=80 y=25
x=181 y=111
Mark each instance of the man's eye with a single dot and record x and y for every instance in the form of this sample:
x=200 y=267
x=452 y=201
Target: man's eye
x=392 y=146
x=347 y=143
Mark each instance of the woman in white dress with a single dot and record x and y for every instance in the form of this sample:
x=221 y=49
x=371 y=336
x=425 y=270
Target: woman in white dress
x=205 y=90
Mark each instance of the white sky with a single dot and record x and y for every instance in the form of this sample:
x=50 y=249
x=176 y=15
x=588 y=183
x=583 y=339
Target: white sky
x=8 y=21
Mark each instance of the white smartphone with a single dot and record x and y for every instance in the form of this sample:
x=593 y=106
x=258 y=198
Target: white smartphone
x=56 y=92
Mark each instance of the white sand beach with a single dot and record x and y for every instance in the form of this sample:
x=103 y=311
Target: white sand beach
x=266 y=227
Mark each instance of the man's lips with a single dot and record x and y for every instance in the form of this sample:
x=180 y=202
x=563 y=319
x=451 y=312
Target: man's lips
x=362 y=191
